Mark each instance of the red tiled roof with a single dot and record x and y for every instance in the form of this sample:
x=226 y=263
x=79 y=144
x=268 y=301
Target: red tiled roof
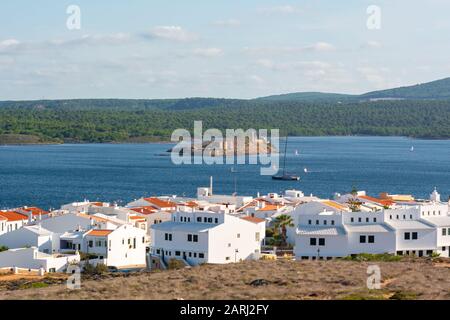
x=99 y=233
x=253 y=219
x=269 y=207
x=35 y=211
x=161 y=203
x=376 y=200
x=13 y=216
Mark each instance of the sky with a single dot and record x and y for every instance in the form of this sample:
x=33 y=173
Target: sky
x=221 y=48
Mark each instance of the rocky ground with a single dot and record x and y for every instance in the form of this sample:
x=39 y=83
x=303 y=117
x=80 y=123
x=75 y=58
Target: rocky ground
x=284 y=279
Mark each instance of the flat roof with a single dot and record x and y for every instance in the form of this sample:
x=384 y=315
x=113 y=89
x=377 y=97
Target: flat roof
x=368 y=227
x=320 y=231
x=183 y=226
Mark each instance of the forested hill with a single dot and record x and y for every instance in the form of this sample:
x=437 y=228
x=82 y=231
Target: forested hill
x=148 y=120
x=439 y=89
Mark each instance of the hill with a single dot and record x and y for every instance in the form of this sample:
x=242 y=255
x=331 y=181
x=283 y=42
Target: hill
x=421 y=111
x=311 y=97
x=439 y=89
x=278 y=280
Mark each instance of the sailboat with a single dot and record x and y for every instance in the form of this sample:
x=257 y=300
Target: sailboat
x=296 y=153
x=412 y=149
x=286 y=176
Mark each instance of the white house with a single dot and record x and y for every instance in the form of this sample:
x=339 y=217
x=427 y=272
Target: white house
x=3 y=227
x=362 y=224
x=208 y=237
x=122 y=247
x=31 y=258
x=14 y=220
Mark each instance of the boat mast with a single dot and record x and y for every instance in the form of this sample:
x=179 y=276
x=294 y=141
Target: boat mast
x=285 y=153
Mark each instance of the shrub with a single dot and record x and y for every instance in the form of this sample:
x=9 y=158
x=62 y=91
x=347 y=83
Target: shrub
x=3 y=248
x=176 y=264
x=373 y=257
x=101 y=268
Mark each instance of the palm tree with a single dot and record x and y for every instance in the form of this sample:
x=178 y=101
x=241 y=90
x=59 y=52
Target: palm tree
x=282 y=222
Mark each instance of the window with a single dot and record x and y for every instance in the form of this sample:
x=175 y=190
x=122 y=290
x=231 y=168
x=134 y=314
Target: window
x=324 y=222
x=189 y=237
x=321 y=241
x=410 y=216
x=190 y=254
x=317 y=221
x=352 y=219
x=390 y=217
x=374 y=219
x=332 y=222
x=238 y=235
x=199 y=219
x=414 y=235
x=195 y=238
x=367 y=219
x=134 y=243
x=216 y=220
x=227 y=258
x=167 y=237
x=359 y=220
x=209 y=220
x=177 y=253
x=371 y=239
x=205 y=220
x=91 y=243
x=444 y=232
x=143 y=239
x=257 y=237
x=448 y=231
x=312 y=241
x=407 y=236
x=201 y=255
x=195 y=254
x=362 y=239
x=309 y=222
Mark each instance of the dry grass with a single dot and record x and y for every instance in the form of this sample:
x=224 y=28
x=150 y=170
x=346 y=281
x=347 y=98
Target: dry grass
x=409 y=279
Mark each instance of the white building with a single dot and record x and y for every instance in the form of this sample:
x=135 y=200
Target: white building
x=362 y=224
x=29 y=236
x=31 y=258
x=14 y=220
x=208 y=237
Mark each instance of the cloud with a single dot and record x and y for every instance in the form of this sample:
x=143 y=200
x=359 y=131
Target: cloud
x=9 y=45
x=227 y=23
x=97 y=39
x=315 y=47
x=376 y=76
x=284 y=9
x=372 y=44
x=320 y=47
x=172 y=33
x=208 y=52
x=256 y=79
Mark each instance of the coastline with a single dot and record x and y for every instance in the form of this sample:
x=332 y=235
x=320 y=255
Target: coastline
x=163 y=141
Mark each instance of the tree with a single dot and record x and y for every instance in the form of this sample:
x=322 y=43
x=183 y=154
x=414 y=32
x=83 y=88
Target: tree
x=281 y=223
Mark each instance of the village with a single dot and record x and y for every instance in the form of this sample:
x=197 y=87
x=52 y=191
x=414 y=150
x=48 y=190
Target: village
x=158 y=232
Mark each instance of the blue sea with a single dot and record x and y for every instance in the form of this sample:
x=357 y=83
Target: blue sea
x=51 y=175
